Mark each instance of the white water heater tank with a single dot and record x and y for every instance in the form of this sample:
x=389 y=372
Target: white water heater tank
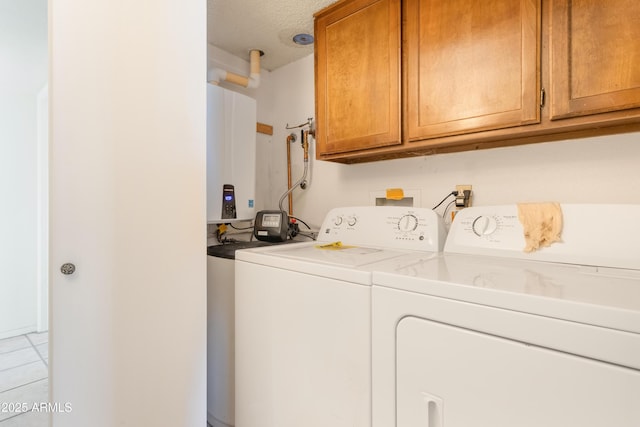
x=231 y=152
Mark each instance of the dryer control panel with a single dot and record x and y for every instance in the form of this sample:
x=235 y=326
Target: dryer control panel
x=596 y=235
x=394 y=227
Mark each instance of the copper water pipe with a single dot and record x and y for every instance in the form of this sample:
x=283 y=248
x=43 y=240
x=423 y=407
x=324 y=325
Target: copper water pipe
x=214 y=75
x=305 y=145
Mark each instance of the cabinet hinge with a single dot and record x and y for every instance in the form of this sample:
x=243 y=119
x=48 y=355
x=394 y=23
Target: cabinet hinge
x=542 y=98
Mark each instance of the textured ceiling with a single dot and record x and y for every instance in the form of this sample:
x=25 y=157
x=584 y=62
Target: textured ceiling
x=237 y=26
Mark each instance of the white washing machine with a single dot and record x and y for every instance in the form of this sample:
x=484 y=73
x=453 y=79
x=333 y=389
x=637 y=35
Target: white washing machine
x=303 y=317
x=486 y=335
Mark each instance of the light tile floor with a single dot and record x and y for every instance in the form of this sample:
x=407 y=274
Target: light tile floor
x=24 y=379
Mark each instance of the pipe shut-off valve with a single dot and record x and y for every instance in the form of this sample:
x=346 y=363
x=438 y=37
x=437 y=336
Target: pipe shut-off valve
x=306 y=129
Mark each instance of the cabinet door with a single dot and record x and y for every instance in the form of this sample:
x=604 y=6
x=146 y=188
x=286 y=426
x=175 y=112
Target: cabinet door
x=595 y=56
x=471 y=66
x=358 y=76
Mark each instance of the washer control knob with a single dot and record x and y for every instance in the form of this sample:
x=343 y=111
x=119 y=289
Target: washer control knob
x=352 y=220
x=337 y=220
x=408 y=223
x=484 y=225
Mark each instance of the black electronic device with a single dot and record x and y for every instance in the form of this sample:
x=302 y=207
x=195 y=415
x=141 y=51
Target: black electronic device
x=271 y=226
x=228 y=202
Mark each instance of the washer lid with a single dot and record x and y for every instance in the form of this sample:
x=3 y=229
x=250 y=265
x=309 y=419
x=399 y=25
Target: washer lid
x=597 y=296
x=350 y=263
x=340 y=255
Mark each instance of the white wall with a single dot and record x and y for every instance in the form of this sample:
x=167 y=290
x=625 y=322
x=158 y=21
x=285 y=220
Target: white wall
x=23 y=72
x=592 y=170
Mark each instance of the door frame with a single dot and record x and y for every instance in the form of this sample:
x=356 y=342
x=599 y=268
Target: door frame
x=42 y=277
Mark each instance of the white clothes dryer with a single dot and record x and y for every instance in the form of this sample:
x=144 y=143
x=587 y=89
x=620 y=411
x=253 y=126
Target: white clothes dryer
x=486 y=335
x=303 y=317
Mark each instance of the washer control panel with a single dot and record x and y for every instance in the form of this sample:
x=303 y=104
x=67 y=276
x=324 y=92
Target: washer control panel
x=387 y=226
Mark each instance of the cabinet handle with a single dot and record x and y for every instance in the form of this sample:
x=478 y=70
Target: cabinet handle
x=435 y=408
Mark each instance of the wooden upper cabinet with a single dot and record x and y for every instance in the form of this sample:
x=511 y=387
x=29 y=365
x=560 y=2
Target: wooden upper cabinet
x=357 y=57
x=397 y=78
x=595 y=56
x=471 y=66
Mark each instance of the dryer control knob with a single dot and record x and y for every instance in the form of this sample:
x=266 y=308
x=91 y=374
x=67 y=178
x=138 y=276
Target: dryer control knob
x=484 y=225
x=352 y=221
x=338 y=220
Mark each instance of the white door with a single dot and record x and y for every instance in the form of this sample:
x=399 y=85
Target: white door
x=127 y=187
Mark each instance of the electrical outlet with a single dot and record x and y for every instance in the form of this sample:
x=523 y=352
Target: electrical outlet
x=463 y=199
x=461 y=188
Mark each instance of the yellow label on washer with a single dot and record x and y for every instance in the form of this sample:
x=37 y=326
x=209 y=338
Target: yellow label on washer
x=334 y=246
